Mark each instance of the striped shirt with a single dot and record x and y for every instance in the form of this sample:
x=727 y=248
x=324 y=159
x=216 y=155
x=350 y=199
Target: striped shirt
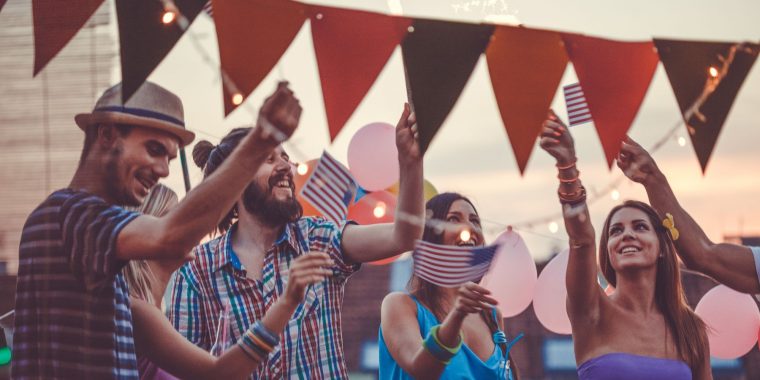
x=72 y=306
x=311 y=346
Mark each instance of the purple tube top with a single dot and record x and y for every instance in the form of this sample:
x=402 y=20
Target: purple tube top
x=622 y=366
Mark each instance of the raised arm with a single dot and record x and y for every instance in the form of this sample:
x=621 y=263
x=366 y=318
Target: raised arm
x=583 y=292
x=157 y=340
x=401 y=331
x=176 y=233
x=380 y=241
x=729 y=264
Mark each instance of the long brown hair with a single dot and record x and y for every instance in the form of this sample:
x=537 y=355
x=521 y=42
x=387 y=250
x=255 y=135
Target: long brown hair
x=689 y=331
x=140 y=279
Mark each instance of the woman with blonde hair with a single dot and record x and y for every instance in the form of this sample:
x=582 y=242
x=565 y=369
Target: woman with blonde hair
x=645 y=329
x=164 y=354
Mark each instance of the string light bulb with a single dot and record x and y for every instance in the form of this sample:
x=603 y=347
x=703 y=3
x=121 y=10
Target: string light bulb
x=237 y=99
x=168 y=17
x=464 y=235
x=615 y=194
x=379 y=210
x=553 y=227
x=681 y=141
x=713 y=72
x=302 y=169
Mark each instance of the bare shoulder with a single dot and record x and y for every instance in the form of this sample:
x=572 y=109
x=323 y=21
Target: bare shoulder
x=398 y=302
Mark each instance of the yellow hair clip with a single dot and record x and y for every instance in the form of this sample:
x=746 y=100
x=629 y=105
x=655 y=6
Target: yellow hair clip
x=670 y=224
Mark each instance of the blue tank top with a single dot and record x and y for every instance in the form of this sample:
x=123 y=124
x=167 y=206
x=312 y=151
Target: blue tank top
x=622 y=366
x=464 y=365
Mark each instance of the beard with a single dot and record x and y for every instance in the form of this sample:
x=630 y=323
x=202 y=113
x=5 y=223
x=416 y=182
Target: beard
x=271 y=211
x=115 y=186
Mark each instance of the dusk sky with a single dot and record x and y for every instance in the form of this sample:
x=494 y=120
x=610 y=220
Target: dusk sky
x=471 y=153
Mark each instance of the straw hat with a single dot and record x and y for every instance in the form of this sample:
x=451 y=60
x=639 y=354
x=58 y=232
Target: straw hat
x=152 y=106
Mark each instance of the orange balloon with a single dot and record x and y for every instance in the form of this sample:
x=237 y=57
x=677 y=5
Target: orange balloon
x=373 y=208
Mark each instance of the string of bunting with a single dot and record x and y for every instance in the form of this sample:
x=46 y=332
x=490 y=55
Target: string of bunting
x=525 y=64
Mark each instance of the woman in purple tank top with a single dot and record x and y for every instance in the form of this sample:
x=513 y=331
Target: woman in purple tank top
x=644 y=329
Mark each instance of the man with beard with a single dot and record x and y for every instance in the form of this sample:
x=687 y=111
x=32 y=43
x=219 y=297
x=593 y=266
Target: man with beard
x=73 y=318
x=247 y=265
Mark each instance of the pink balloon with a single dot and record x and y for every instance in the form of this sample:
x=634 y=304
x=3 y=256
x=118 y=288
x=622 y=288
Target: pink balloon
x=551 y=295
x=732 y=319
x=512 y=278
x=373 y=156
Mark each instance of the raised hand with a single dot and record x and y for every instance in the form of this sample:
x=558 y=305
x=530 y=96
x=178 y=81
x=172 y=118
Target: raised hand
x=635 y=161
x=557 y=141
x=279 y=116
x=407 y=136
x=307 y=269
x=473 y=298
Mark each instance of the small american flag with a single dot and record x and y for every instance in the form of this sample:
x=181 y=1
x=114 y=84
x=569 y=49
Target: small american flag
x=577 y=108
x=209 y=9
x=450 y=265
x=330 y=189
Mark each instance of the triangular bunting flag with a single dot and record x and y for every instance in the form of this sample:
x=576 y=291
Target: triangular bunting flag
x=145 y=40
x=439 y=57
x=55 y=24
x=352 y=47
x=253 y=35
x=615 y=77
x=2 y=2
x=526 y=66
x=703 y=105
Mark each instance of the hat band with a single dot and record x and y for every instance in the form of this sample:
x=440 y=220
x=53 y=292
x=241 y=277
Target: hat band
x=142 y=113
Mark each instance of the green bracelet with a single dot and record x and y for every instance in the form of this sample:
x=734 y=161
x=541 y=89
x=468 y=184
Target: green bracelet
x=441 y=352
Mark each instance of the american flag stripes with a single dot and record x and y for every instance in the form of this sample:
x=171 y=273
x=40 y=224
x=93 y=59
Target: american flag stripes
x=330 y=189
x=577 y=108
x=209 y=9
x=450 y=265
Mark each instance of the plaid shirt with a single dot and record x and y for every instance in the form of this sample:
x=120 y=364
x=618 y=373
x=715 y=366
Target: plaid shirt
x=72 y=306
x=311 y=345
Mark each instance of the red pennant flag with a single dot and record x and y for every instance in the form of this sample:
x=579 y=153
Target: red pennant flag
x=253 y=35
x=2 y=2
x=704 y=105
x=55 y=24
x=352 y=47
x=615 y=77
x=439 y=57
x=145 y=40
x=526 y=67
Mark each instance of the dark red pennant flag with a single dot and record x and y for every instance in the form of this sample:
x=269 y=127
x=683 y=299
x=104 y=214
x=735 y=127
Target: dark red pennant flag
x=703 y=105
x=439 y=57
x=615 y=77
x=526 y=67
x=352 y=47
x=253 y=35
x=145 y=40
x=2 y=2
x=55 y=24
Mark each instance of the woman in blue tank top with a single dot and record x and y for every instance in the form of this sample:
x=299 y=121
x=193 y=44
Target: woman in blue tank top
x=645 y=329
x=448 y=333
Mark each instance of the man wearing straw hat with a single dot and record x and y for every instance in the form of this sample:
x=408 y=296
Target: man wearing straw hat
x=73 y=315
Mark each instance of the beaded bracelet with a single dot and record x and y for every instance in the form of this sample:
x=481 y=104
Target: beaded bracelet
x=568 y=166
x=440 y=352
x=258 y=342
x=566 y=200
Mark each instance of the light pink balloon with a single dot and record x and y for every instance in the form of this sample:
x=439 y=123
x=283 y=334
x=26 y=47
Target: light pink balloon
x=512 y=278
x=732 y=319
x=551 y=295
x=373 y=156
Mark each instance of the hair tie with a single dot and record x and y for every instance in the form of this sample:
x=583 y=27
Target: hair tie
x=670 y=224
